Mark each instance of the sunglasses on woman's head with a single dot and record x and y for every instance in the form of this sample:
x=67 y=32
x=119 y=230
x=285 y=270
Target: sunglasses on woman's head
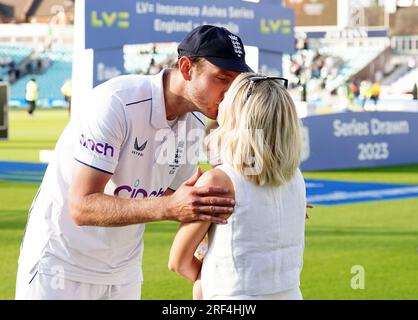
x=253 y=80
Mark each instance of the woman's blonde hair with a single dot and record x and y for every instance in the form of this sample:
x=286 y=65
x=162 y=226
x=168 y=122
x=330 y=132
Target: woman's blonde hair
x=259 y=137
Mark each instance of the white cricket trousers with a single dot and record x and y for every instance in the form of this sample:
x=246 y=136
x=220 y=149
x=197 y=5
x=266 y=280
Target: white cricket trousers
x=46 y=287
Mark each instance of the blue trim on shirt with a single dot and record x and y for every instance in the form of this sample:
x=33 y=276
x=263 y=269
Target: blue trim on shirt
x=136 y=102
x=93 y=167
x=198 y=119
x=33 y=277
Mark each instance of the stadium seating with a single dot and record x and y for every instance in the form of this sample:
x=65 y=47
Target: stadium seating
x=138 y=57
x=341 y=64
x=12 y=54
x=51 y=80
x=406 y=82
x=353 y=60
x=16 y=53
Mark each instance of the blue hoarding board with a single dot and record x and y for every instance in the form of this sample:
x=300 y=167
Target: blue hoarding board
x=350 y=33
x=107 y=63
x=270 y=63
x=319 y=192
x=114 y=23
x=22 y=171
x=329 y=192
x=363 y=139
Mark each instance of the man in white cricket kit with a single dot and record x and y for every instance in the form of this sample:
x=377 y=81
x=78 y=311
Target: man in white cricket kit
x=124 y=164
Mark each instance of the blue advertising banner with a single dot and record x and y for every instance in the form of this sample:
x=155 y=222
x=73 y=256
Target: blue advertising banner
x=114 y=23
x=361 y=139
x=107 y=64
x=270 y=63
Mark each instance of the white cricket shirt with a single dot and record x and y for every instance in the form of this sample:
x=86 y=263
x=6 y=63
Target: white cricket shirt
x=124 y=132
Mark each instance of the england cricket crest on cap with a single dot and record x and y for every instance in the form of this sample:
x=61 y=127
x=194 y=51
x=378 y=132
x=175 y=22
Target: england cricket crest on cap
x=237 y=45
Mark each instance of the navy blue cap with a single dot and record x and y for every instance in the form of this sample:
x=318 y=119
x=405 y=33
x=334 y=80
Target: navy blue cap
x=217 y=45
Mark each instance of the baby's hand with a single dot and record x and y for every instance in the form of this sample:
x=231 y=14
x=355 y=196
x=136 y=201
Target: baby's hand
x=197 y=290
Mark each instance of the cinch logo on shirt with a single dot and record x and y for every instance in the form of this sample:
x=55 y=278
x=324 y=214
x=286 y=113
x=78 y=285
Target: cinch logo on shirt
x=97 y=147
x=135 y=191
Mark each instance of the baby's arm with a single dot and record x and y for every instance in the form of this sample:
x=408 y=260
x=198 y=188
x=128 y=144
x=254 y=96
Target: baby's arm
x=182 y=259
x=197 y=289
x=182 y=254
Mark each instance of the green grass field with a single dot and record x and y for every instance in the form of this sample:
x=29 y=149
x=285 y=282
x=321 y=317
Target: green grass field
x=380 y=236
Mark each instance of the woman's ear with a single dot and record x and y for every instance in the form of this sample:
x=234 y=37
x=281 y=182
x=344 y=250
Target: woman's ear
x=185 y=67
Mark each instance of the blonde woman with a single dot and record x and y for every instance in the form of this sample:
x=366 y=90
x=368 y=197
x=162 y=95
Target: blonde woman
x=259 y=253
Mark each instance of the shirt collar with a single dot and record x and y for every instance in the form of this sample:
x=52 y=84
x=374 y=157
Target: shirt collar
x=158 y=114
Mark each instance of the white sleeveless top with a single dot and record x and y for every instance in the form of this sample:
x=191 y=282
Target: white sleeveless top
x=260 y=250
